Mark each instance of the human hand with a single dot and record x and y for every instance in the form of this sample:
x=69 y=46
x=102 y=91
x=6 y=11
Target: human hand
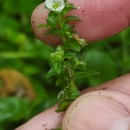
x=108 y=107
x=105 y=107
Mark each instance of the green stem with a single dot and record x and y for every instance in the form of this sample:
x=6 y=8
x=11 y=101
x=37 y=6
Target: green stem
x=71 y=79
x=61 y=25
x=69 y=69
x=60 y=21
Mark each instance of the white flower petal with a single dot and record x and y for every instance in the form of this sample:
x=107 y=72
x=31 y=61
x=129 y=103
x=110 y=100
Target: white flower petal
x=48 y=3
x=55 y=5
x=60 y=8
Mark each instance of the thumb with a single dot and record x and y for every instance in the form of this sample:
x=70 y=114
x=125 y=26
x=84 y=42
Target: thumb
x=99 y=110
x=99 y=19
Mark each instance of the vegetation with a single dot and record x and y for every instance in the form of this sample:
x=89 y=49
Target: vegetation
x=24 y=64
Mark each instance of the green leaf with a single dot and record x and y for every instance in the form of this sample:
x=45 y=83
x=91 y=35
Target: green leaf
x=74 y=45
x=71 y=18
x=70 y=5
x=50 y=73
x=68 y=8
x=80 y=64
x=63 y=106
x=70 y=55
x=57 y=67
x=86 y=73
x=52 y=31
x=64 y=94
x=68 y=28
x=52 y=19
x=58 y=55
x=59 y=81
x=74 y=95
x=61 y=96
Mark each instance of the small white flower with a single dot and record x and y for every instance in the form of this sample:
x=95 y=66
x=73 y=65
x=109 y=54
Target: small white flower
x=55 y=5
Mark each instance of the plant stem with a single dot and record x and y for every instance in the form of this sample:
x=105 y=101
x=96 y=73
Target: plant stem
x=71 y=80
x=73 y=90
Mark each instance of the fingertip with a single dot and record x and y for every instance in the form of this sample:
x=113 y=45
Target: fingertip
x=39 y=17
x=95 y=112
x=101 y=19
x=97 y=21
x=46 y=120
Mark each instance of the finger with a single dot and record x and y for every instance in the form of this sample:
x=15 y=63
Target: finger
x=38 y=17
x=98 y=111
x=53 y=120
x=44 y=121
x=99 y=19
x=120 y=84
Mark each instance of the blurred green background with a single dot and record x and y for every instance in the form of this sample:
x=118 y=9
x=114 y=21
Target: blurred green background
x=24 y=90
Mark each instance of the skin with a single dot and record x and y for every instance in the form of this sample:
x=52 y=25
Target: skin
x=99 y=19
x=105 y=107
